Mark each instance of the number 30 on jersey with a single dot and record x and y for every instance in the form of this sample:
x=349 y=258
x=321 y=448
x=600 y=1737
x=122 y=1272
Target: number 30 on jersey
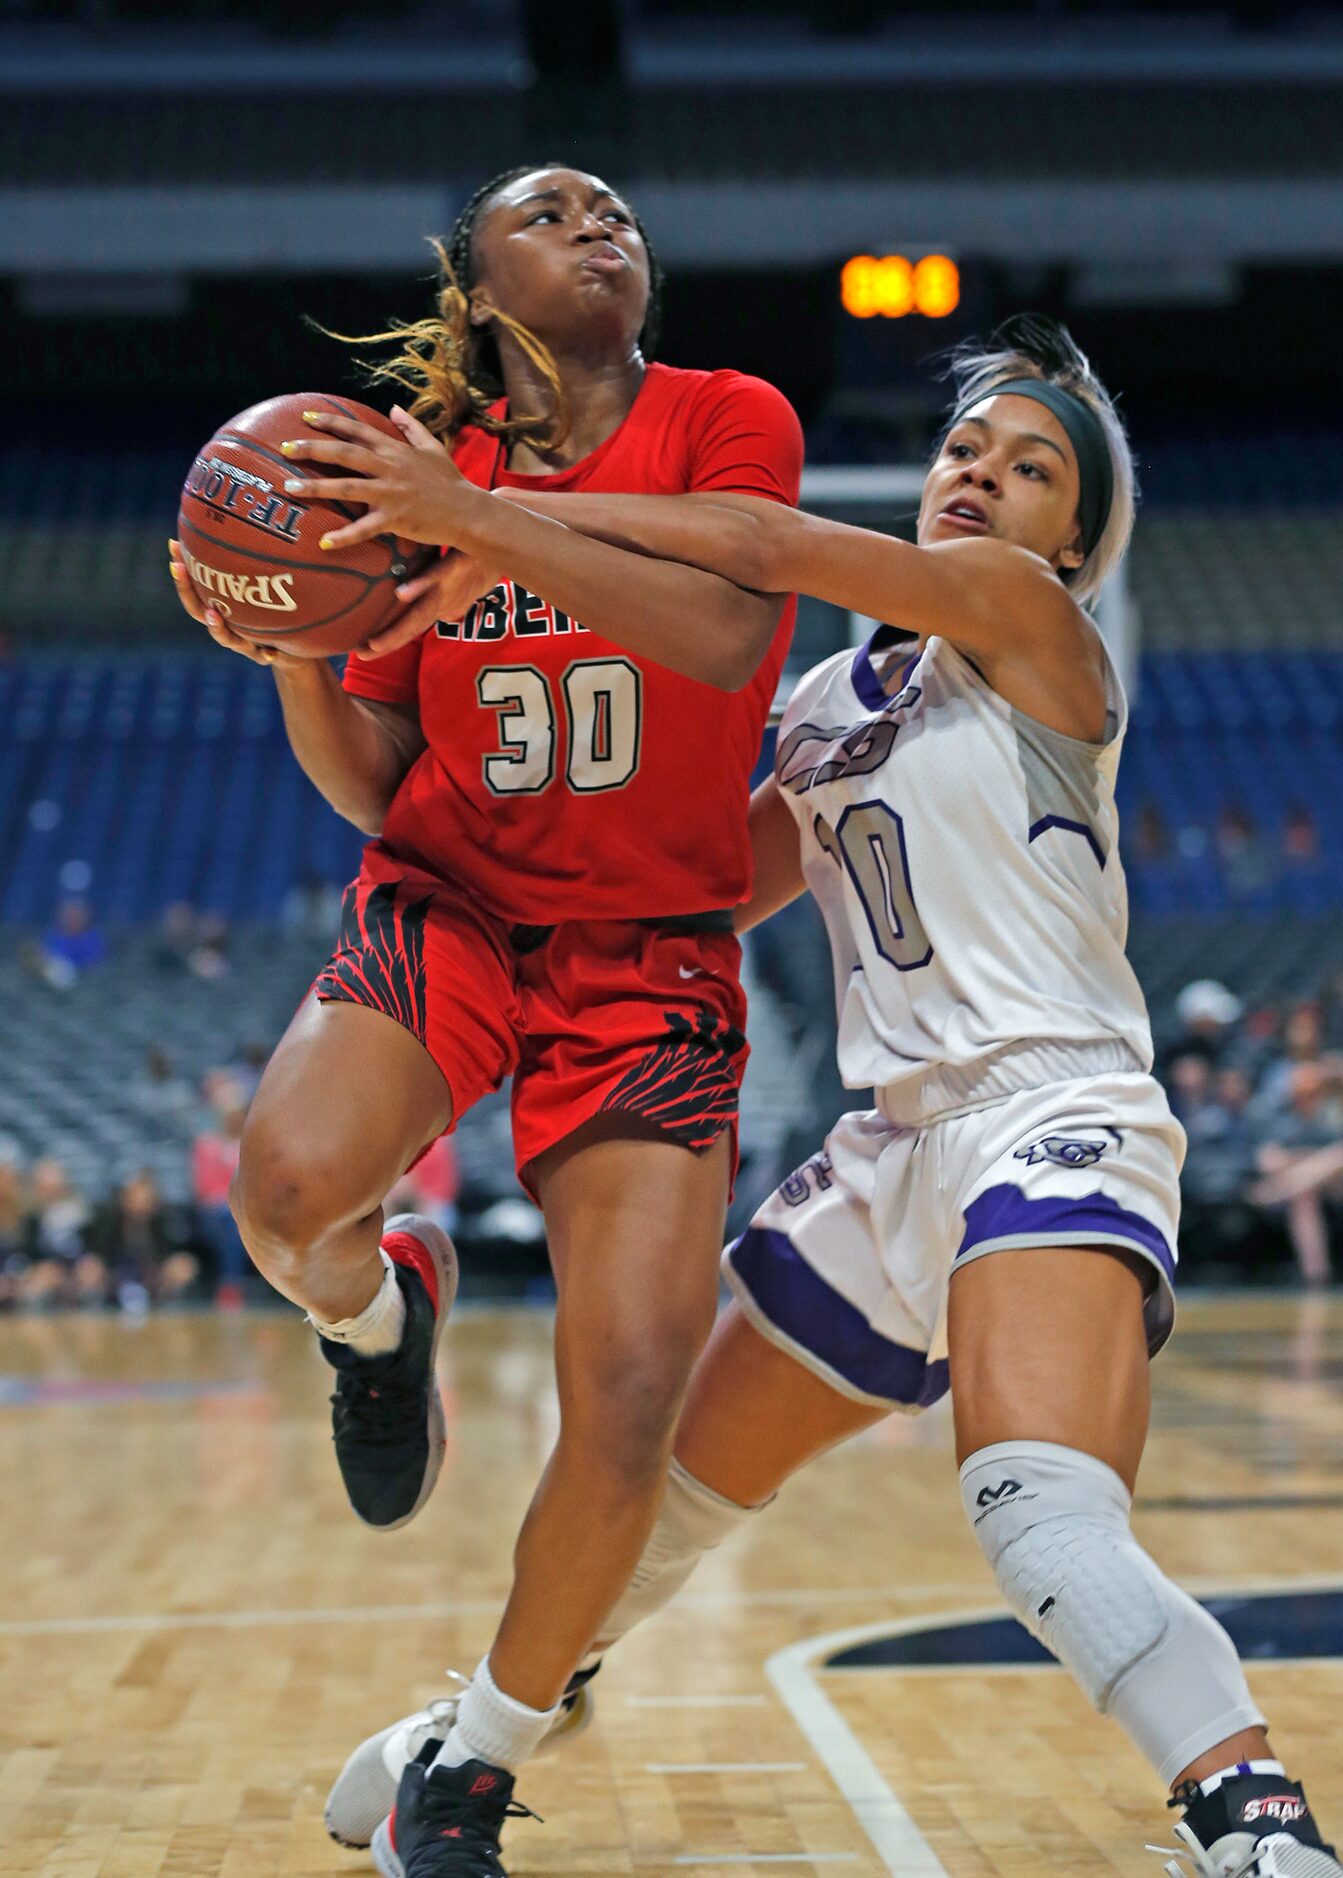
x=602 y=701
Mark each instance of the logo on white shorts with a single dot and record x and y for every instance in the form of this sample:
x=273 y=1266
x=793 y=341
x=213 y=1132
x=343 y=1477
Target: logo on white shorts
x=1063 y=1150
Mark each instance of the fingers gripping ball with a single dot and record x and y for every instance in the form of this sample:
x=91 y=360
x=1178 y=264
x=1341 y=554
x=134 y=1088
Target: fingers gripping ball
x=252 y=550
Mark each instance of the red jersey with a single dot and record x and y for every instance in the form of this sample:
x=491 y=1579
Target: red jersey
x=565 y=778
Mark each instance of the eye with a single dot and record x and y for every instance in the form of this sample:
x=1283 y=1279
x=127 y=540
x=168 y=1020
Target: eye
x=959 y=450
x=1034 y=469
x=617 y=215
x=543 y=215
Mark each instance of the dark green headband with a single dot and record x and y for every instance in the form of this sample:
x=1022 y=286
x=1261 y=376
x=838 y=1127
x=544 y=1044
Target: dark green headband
x=1096 y=477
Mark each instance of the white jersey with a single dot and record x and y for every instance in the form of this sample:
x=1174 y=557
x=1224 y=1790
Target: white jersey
x=965 y=858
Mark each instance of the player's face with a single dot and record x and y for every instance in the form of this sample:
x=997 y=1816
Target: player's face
x=559 y=252
x=1009 y=470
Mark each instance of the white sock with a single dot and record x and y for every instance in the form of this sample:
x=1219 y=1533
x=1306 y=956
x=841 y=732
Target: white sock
x=491 y=1726
x=1214 y=1781
x=377 y=1329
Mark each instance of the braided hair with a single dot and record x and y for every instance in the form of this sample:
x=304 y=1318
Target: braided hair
x=452 y=371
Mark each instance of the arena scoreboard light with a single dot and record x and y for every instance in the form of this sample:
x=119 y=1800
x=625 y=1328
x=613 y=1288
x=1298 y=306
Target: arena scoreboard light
x=893 y=286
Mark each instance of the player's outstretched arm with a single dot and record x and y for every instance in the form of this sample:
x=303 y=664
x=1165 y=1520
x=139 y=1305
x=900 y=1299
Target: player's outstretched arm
x=776 y=858
x=1001 y=604
x=701 y=624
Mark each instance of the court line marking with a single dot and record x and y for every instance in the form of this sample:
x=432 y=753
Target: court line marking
x=766 y=1858
x=457 y=1607
x=900 y=1845
x=725 y=1767
x=692 y=1701
x=273 y=1618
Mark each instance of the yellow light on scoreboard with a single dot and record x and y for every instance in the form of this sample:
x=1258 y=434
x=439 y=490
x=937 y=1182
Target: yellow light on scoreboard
x=890 y=286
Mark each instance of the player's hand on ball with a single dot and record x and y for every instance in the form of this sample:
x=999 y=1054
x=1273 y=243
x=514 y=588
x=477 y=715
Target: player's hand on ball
x=213 y=621
x=411 y=488
x=447 y=591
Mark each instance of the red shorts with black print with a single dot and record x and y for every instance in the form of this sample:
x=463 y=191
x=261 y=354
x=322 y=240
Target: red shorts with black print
x=645 y=1018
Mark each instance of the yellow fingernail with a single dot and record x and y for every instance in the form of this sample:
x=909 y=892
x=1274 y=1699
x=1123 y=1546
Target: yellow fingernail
x=325 y=542
x=312 y=417
x=171 y=543
x=288 y=449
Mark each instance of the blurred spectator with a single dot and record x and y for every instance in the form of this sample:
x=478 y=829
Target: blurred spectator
x=209 y=956
x=1248 y=863
x=1207 y=1014
x=247 y=1067
x=192 y=942
x=1188 y=1084
x=430 y=1187
x=177 y=935
x=214 y=1161
x=1218 y=1224
x=160 y=1093
x=1301 y=836
x=1331 y=1011
x=1302 y=1042
x=142 y=1245
x=13 y=1228
x=1301 y=1158
x=312 y=908
x=62 y=1269
x=71 y=945
x=1151 y=837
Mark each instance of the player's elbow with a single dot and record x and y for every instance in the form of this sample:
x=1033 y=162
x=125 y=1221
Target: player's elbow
x=748 y=630
x=366 y=809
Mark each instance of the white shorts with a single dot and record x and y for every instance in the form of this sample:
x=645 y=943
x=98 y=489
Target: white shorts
x=847 y=1266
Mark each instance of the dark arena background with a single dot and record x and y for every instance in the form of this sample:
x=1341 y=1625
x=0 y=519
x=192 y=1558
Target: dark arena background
x=194 y=1630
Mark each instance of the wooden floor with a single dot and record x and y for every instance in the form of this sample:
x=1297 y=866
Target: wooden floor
x=195 y=1630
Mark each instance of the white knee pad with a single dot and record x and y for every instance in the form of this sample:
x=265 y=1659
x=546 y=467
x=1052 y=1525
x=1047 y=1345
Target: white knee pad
x=1054 y=1525
x=692 y=1521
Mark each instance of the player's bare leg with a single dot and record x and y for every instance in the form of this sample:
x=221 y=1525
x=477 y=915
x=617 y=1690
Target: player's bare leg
x=635 y=1226
x=752 y=1416
x=1050 y=1388
x=347 y=1101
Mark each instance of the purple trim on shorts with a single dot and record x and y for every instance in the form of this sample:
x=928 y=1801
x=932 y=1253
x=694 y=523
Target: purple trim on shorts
x=799 y=1303
x=1073 y=828
x=1006 y=1213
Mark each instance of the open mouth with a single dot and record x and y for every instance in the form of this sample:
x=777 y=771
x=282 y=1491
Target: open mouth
x=966 y=515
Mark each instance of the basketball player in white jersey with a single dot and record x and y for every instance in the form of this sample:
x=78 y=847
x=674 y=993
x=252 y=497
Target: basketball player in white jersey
x=1004 y=1222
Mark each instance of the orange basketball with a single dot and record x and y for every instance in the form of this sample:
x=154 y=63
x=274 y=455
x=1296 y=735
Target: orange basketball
x=252 y=552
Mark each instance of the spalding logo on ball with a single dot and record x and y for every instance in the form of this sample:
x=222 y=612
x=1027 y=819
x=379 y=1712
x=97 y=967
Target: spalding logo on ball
x=252 y=552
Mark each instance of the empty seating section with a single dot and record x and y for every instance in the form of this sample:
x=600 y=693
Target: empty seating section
x=169 y=777
x=1239 y=581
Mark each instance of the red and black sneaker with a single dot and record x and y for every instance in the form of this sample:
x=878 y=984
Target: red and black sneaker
x=386 y=1413
x=1252 y=1825
x=447 y=1821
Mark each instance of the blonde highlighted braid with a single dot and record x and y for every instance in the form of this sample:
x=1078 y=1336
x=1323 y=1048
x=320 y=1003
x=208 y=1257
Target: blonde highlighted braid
x=450 y=371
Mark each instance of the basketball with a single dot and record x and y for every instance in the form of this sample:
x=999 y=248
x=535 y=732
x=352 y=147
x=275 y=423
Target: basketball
x=252 y=550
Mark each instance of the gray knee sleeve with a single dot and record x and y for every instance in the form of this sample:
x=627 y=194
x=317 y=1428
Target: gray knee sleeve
x=692 y=1521
x=1054 y=1525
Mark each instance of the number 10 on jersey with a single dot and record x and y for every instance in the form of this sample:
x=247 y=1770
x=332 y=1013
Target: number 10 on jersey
x=603 y=708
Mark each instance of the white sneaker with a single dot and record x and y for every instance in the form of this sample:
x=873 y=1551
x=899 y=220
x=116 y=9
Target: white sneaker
x=365 y=1789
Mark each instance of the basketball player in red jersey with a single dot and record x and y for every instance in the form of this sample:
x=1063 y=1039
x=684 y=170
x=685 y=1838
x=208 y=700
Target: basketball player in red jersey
x=556 y=787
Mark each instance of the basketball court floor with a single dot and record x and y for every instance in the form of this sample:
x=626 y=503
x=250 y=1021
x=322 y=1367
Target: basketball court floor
x=195 y=1630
